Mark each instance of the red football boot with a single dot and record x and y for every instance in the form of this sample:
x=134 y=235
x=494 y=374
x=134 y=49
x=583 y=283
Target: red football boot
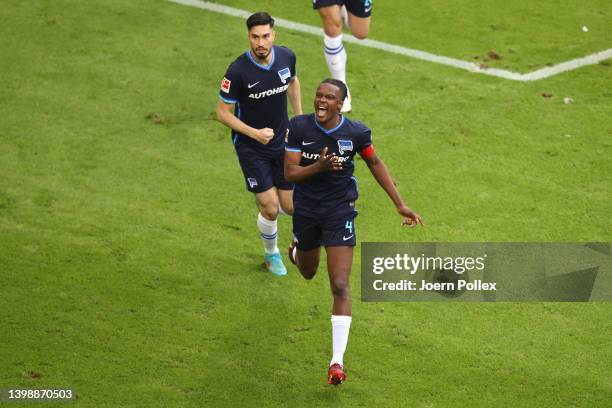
x=335 y=374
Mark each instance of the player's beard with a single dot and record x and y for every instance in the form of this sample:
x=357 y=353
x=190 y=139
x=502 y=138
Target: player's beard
x=261 y=53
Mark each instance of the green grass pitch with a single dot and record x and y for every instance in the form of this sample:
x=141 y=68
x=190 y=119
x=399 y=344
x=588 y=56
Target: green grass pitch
x=129 y=260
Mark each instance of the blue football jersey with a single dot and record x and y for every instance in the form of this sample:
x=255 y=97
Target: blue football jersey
x=260 y=94
x=329 y=192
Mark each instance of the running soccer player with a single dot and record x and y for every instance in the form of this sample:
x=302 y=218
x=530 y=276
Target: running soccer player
x=356 y=15
x=253 y=103
x=319 y=158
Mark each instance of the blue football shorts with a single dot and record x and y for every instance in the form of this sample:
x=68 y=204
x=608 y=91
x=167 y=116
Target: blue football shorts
x=262 y=170
x=312 y=232
x=359 y=8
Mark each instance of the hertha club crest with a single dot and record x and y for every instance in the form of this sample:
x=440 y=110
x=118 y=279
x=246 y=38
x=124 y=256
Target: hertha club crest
x=284 y=74
x=345 y=146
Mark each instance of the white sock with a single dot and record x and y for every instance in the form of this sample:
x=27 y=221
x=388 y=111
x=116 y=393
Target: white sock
x=335 y=55
x=268 y=232
x=340 y=333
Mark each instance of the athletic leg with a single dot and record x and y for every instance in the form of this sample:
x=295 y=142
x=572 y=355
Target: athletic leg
x=339 y=262
x=359 y=17
x=268 y=204
x=284 y=189
x=335 y=54
x=360 y=26
x=285 y=198
x=308 y=262
x=259 y=175
x=331 y=18
x=305 y=250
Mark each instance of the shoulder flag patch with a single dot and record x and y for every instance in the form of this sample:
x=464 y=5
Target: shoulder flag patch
x=225 y=85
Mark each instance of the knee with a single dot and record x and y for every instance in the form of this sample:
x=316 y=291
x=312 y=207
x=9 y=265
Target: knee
x=332 y=26
x=360 y=35
x=360 y=27
x=269 y=212
x=340 y=287
x=360 y=32
x=287 y=208
x=333 y=30
x=308 y=273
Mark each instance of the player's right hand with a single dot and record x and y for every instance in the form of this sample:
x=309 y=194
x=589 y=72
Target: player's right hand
x=328 y=162
x=264 y=135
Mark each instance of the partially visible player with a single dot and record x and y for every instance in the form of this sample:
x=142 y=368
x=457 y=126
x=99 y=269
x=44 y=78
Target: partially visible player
x=253 y=103
x=319 y=158
x=356 y=14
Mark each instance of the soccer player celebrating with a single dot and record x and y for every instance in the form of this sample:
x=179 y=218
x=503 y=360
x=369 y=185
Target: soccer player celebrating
x=253 y=103
x=319 y=158
x=356 y=15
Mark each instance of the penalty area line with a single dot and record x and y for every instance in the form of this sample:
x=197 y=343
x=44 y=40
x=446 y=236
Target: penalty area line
x=412 y=53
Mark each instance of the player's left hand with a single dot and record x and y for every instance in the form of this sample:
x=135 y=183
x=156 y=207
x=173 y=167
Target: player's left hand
x=411 y=218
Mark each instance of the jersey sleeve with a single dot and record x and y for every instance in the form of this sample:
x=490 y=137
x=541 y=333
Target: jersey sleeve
x=365 y=148
x=365 y=139
x=292 y=59
x=230 y=86
x=292 y=67
x=293 y=139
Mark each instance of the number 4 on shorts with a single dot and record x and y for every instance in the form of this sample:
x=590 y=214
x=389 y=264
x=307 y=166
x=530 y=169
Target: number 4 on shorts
x=349 y=226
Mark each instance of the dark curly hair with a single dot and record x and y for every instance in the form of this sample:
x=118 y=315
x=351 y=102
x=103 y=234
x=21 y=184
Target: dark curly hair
x=336 y=82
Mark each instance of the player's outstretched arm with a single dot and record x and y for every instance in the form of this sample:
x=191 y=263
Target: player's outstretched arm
x=382 y=176
x=225 y=115
x=295 y=96
x=296 y=173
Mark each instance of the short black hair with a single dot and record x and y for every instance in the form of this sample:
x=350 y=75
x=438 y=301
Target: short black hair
x=259 y=18
x=336 y=82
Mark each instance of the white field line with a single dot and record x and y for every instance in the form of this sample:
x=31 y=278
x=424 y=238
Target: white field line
x=409 y=52
x=568 y=65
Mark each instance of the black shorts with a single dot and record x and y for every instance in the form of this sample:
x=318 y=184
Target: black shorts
x=311 y=233
x=262 y=170
x=359 y=8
